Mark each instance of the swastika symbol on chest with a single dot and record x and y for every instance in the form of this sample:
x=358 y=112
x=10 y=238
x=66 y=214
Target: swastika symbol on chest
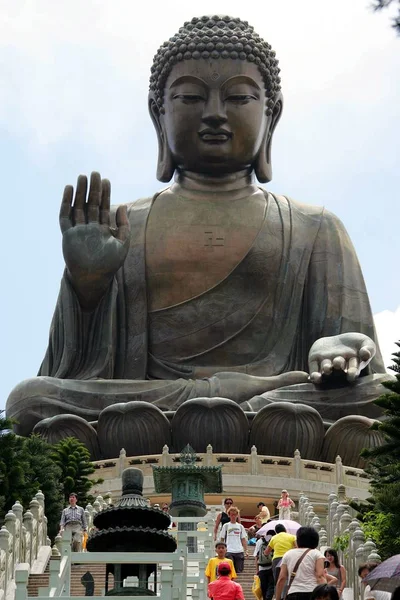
x=212 y=239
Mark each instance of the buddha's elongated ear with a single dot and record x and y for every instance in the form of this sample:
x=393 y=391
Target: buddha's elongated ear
x=165 y=163
x=262 y=164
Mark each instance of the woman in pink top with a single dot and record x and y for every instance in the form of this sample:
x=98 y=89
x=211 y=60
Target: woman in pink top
x=284 y=505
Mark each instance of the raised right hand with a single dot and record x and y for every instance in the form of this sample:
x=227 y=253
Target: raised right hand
x=93 y=251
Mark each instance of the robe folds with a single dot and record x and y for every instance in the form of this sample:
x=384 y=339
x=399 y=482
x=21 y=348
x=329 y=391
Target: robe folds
x=300 y=281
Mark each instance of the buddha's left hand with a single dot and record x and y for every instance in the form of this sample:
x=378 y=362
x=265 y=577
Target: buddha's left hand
x=349 y=353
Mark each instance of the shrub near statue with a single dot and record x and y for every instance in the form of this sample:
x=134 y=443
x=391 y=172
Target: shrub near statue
x=212 y=289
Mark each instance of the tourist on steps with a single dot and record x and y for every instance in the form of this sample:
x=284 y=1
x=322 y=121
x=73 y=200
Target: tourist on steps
x=335 y=569
x=235 y=537
x=223 y=517
x=284 y=505
x=73 y=519
x=264 y=565
x=279 y=544
x=213 y=564
x=302 y=568
x=224 y=588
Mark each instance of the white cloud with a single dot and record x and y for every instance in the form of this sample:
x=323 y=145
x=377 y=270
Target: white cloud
x=387 y=325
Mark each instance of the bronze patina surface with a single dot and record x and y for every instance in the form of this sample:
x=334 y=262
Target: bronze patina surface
x=214 y=288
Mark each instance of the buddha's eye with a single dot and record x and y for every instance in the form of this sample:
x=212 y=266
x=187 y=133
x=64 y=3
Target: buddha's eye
x=240 y=98
x=189 y=98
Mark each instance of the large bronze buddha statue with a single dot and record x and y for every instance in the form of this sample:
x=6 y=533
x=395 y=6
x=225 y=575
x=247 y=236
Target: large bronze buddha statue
x=213 y=289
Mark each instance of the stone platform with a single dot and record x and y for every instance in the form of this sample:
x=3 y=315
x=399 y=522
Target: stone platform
x=248 y=478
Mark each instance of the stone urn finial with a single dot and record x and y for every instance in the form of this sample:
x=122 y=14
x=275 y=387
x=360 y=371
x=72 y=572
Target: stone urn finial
x=132 y=481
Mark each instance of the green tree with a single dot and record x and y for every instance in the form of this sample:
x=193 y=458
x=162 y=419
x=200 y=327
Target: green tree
x=73 y=458
x=13 y=466
x=380 y=4
x=381 y=513
x=43 y=474
x=26 y=466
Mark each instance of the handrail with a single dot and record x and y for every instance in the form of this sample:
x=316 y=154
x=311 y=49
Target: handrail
x=21 y=538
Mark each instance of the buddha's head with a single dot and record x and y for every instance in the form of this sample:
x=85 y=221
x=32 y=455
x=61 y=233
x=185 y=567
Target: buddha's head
x=215 y=99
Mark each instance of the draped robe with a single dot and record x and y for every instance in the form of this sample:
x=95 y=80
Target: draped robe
x=300 y=281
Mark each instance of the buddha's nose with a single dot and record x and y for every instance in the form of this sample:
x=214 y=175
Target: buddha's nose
x=214 y=110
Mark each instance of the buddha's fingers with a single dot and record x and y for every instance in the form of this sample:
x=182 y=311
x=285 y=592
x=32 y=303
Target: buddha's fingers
x=315 y=377
x=65 y=208
x=105 y=202
x=366 y=353
x=80 y=201
x=353 y=369
x=326 y=366
x=94 y=198
x=123 y=225
x=339 y=363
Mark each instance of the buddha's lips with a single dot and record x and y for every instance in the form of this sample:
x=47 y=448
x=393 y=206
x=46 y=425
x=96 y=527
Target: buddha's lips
x=215 y=136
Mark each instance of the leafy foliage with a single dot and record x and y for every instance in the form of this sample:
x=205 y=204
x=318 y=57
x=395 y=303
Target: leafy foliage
x=381 y=513
x=26 y=466
x=73 y=459
x=13 y=466
x=380 y=4
x=45 y=475
x=341 y=542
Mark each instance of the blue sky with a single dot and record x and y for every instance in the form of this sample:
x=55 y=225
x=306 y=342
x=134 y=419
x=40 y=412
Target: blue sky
x=73 y=98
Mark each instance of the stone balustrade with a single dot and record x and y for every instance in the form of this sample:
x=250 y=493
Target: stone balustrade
x=253 y=472
x=22 y=537
x=343 y=531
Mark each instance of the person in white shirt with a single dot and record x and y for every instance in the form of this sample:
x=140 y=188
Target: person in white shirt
x=235 y=537
x=310 y=571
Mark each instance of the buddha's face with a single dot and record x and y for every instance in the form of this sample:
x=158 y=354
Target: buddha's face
x=215 y=115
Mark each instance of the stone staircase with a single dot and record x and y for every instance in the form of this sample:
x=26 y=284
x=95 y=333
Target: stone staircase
x=247 y=577
x=77 y=588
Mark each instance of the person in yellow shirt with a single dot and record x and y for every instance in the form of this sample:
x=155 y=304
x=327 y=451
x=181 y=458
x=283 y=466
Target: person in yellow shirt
x=279 y=545
x=212 y=566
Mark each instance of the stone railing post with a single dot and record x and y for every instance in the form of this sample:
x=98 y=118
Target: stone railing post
x=34 y=507
x=374 y=557
x=341 y=492
x=344 y=521
x=58 y=544
x=10 y=523
x=96 y=506
x=307 y=509
x=4 y=559
x=42 y=519
x=310 y=516
x=339 y=470
x=89 y=513
x=209 y=456
x=21 y=583
x=121 y=461
x=302 y=498
x=28 y=525
x=323 y=538
x=357 y=550
x=369 y=547
x=315 y=523
x=165 y=457
x=331 y=516
x=253 y=461
x=297 y=465
x=18 y=510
